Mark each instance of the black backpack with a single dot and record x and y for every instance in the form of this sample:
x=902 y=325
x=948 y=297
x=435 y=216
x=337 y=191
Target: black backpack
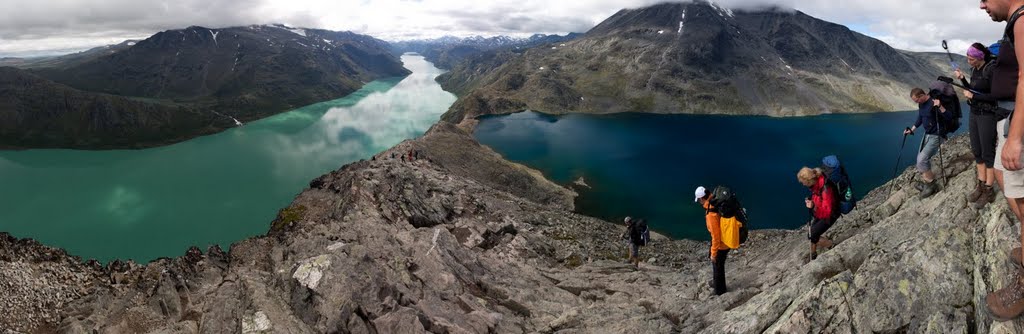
x=835 y=174
x=944 y=92
x=727 y=205
x=639 y=234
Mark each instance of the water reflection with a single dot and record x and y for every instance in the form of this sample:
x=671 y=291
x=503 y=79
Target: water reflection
x=214 y=189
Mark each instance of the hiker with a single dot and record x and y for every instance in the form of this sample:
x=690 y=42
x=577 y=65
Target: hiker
x=822 y=206
x=983 y=121
x=632 y=242
x=1008 y=303
x=719 y=251
x=926 y=116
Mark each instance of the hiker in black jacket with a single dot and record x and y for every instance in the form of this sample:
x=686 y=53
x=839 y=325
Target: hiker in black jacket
x=634 y=247
x=983 y=119
x=927 y=117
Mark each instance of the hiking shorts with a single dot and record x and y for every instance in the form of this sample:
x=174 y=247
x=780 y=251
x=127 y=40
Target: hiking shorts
x=929 y=146
x=818 y=228
x=1013 y=181
x=984 y=137
x=634 y=249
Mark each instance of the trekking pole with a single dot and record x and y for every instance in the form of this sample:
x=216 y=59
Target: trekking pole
x=897 y=168
x=938 y=124
x=951 y=61
x=810 y=212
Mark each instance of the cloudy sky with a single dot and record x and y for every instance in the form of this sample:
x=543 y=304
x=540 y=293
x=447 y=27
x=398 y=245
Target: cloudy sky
x=34 y=27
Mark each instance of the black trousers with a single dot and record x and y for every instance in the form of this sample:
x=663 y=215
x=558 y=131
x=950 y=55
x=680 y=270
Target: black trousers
x=983 y=137
x=718 y=271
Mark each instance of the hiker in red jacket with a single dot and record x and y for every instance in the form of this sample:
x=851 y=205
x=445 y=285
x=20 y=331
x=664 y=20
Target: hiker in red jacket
x=822 y=205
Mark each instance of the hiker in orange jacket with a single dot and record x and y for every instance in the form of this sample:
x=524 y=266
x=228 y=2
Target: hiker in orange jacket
x=719 y=251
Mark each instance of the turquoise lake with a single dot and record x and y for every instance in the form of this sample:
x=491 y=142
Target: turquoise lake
x=646 y=165
x=217 y=189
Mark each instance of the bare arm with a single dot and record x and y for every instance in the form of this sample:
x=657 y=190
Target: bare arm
x=1012 y=151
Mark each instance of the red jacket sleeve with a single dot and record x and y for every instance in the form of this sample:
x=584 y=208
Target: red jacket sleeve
x=823 y=203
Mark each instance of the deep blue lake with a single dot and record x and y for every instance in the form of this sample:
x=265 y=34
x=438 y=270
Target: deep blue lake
x=648 y=165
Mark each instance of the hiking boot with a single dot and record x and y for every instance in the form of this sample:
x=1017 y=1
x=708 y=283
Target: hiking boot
x=929 y=189
x=988 y=195
x=1007 y=303
x=919 y=185
x=973 y=197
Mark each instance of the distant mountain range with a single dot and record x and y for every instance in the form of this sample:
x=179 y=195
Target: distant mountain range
x=66 y=60
x=445 y=52
x=697 y=58
x=179 y=84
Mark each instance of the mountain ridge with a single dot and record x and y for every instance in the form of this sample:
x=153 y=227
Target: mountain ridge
x=447 y=51
x=239 y=73
x=697 y=58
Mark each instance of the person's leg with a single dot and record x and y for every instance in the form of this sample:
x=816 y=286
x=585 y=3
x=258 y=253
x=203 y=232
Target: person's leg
x=632 y=251
x=724 y=256
x=817 y=229
x=975 y=133
x=924 y=159
x=824 y=242
x=636 y=254
x=719 y=272
x=1018 y=202
x=928 y=150
x=987 y=141
x=1014 y=208
x=988 y=136
x=1007 y=303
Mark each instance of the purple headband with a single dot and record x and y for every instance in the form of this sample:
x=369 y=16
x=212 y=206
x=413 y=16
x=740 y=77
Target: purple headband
x=975 y=53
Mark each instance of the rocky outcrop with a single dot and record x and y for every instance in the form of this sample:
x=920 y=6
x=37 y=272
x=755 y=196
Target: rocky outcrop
x=460 y=240
x=696 y=58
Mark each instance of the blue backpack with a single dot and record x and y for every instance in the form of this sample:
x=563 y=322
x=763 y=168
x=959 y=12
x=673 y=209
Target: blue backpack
x=836 y=175
x=994 y=48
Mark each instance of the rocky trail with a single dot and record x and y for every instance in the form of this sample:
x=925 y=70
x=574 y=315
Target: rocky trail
x=463 y=241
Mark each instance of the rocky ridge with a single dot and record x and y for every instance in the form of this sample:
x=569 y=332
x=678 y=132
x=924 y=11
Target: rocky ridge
x=462 y=241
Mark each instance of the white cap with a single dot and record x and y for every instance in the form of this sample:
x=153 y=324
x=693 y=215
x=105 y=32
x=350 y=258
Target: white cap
x=628 y=219
x=699 y=193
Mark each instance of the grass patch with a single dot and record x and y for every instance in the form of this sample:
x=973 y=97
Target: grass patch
x=287 y=216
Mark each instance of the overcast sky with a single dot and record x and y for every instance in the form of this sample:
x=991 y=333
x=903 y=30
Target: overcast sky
x=33 y=27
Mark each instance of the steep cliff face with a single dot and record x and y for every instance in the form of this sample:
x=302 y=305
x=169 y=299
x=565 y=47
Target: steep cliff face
x=464 y=241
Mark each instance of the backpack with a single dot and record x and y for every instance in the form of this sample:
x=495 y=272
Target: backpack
x=639 y=234
x=731 y=213
x=944 y=92
x=731 y=232
x=835 y=174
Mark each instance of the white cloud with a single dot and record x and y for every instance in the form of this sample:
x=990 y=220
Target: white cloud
x=32 y=26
